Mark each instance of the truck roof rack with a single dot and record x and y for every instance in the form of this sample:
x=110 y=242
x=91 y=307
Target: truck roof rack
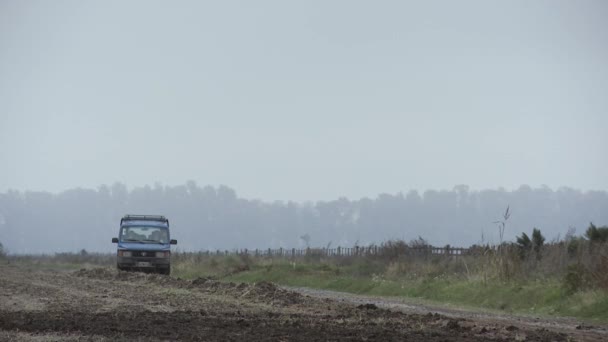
x=144 y=218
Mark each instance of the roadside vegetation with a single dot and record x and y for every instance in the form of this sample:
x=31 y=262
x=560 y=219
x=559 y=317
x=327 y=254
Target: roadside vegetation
x=2 y=252
x=563 y=278
x=568 y=277
x=530 y=276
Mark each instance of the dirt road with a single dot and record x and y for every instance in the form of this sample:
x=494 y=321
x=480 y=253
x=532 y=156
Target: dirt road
x=105 y=305
x=574 y=328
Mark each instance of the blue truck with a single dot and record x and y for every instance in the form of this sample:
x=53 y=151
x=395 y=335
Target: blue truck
x=144 y=244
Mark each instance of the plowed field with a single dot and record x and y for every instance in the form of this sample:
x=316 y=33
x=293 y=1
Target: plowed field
x=106 y=305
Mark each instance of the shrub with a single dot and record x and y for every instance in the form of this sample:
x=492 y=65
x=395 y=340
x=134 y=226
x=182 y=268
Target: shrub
x=574 y=246
x=524 y=244
x=576 y=278
x=600 y=272
x=393 y=249
x=595 y=234
x=538 y=240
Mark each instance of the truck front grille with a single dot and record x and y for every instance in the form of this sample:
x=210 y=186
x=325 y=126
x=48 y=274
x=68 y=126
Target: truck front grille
x=146 y=254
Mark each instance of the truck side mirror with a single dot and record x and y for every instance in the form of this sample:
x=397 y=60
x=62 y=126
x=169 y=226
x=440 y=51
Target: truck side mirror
x=173 y=242
x=114 y=240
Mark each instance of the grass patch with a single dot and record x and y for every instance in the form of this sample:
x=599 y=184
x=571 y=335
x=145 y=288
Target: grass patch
x=546 y=297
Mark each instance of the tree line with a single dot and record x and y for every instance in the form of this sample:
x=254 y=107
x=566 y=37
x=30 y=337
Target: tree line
x=210 y=218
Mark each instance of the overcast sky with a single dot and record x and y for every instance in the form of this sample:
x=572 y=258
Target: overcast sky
x=304 y=100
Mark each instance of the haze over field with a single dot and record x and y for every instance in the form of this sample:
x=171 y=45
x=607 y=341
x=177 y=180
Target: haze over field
x=309 y=101
x=207 y=218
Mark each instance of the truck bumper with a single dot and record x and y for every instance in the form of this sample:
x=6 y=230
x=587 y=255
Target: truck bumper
x=143 y=264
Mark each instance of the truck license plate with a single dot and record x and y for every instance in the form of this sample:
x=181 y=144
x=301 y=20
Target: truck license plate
x=143 y=264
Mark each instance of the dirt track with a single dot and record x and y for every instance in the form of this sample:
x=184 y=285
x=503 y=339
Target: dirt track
x=102 y=304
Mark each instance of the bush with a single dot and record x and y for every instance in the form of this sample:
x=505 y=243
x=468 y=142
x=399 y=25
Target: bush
x=577 y=278
x=393 y=249
x=538 y=240
x=574 y=246
x=524 y=244
x=595 y=234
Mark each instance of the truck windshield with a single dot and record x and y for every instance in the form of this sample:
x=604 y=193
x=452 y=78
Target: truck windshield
x=144 y=234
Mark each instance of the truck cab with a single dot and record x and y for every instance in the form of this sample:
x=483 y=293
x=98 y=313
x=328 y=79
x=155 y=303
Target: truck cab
x=144 y=244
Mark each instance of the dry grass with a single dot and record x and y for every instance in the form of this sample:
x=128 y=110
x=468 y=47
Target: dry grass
x=579 y=263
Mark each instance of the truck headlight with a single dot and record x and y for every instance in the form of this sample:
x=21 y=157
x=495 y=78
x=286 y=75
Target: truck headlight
x=125 y=253
x=163 y=254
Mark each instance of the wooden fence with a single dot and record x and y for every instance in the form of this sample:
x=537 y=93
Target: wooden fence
x=346 y=252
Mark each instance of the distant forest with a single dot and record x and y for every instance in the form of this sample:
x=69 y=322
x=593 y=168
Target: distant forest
x=209 y=218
